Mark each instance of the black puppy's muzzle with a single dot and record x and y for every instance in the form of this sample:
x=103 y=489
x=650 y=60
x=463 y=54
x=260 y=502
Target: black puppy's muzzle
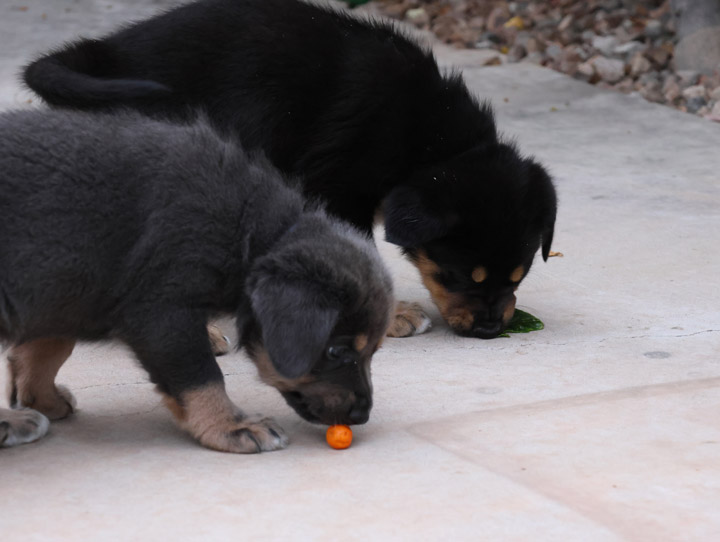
x=486 y=330
x=314 y=410
x=491 y=316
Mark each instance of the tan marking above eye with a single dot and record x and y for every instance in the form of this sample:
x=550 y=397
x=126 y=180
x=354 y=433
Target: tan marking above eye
x=479 y=274
x=517 y=274
x=360 y=342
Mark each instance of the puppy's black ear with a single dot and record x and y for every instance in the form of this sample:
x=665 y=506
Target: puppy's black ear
x=544 y=199
x=410 y=222
x=547 y=237
x=295 y=328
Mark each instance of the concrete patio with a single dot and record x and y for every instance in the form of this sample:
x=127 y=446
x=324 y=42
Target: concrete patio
x=603 y=426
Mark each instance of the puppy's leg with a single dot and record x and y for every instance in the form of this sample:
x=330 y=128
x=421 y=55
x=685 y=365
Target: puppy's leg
x=176 y=352
x=21 y=426
x=209 y=415
x=409 y=320
x=33 y=368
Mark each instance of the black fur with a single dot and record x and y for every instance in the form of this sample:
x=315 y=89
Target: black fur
x=357 y=108
x=119 y=226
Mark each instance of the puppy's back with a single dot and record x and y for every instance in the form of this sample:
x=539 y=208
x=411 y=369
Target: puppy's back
x=93 y=207
x=106 y=162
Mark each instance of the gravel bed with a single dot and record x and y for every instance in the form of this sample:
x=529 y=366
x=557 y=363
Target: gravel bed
x=625 y=45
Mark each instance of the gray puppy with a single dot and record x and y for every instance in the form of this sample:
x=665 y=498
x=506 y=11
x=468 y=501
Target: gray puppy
x=117 y=226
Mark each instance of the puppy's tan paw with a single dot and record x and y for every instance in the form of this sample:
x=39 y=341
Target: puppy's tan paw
x=55 y=405
x=409 y=320
x=219 y=342
x=63 y=405
x=21 y=426
x=209 y=415
x=246 y=436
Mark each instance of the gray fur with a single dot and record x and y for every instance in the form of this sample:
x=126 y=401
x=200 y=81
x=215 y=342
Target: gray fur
x=118 y=226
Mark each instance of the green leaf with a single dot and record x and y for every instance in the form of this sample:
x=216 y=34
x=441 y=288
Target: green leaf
x=522 y=322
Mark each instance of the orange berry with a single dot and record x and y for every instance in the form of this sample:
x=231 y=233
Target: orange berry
x=339 y=436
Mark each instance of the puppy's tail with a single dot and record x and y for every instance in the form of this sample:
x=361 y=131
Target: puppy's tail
x=80 y=76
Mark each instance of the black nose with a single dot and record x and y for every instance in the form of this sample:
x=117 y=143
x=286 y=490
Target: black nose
x=358 y=415
x=486 y=330
x=360 y=412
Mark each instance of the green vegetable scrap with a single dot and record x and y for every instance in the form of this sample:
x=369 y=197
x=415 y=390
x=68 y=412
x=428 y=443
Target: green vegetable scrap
x=522 y=322
x=354 y=3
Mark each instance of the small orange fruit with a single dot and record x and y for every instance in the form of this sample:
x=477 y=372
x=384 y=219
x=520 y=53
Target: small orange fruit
x=339 y=436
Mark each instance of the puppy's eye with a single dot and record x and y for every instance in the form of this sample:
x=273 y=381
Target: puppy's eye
x=340 y=353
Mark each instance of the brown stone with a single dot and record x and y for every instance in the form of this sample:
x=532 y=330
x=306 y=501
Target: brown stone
x=565 y=23
x=652 y=94
x=396 y=11
x=671 y=89
x=569 y=67
x=535 y=45
x=626 y=85
x=658 y=55
x=639 y=64
x=587 y=68
x=516 y=53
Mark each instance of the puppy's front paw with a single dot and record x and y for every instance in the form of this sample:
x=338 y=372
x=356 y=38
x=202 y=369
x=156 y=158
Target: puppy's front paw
x=209 y=415
x=409 y=320
x=21 y=426
x=246 y=436
x=56 y=404
x=219 y=342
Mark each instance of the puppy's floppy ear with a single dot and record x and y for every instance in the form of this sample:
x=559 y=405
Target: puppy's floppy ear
x=544 y=199
x=295 y=328
x=547 y=237
x=410 y=222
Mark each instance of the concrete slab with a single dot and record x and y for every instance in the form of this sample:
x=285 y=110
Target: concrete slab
x=603 y=426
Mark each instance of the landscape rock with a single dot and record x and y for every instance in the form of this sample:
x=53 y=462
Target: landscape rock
x=417 y=16
x=566 y=22
x=605 y=44
x=639 y=65
x=610 y=70
x=695 y=104
x=659 y=56
x=516 y=53
x=554 y=51
x=695 y=91
x=653 y=28
x=587 y=69
x=688 y=77
x=535 y=45
x=671 y=90
x=536 y=57
x=714 y=113
x=629 y=48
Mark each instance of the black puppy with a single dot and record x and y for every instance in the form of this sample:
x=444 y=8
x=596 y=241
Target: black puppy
x=119 y=226
x=360 y=111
